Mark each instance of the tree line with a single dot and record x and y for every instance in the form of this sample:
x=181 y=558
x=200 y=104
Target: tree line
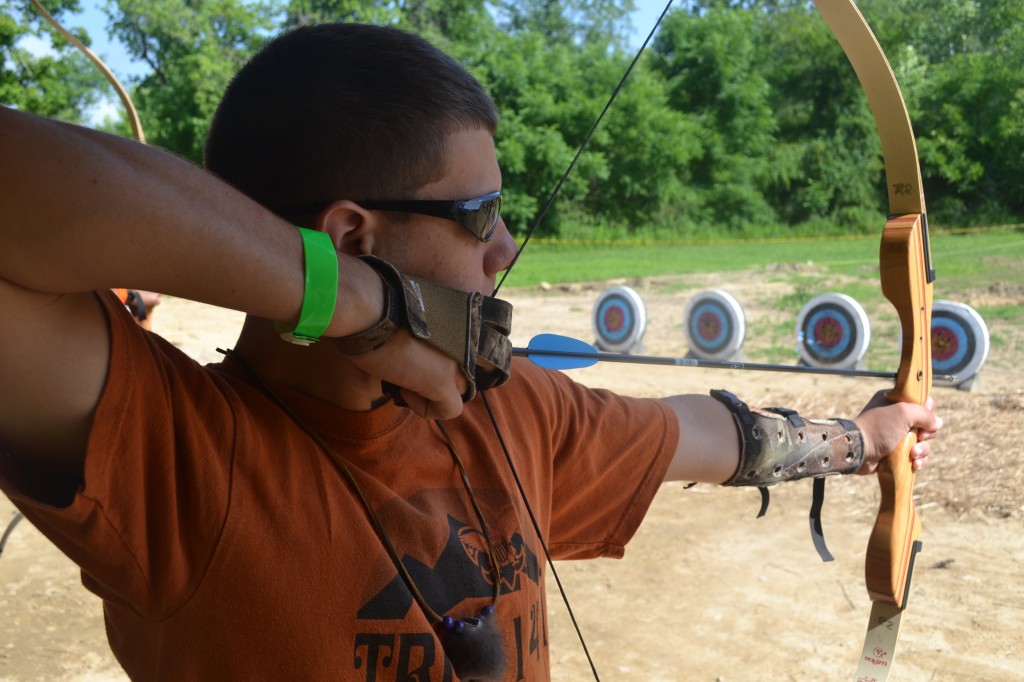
x=742 y=117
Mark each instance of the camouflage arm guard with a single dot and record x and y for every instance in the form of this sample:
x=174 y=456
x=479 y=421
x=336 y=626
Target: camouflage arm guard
x=466 y=326
x=779 y=445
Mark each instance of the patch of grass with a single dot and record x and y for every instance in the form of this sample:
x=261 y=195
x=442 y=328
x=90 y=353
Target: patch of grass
x=805 y=287
x=958 y=258
x=678 y=288
x=1012 y=314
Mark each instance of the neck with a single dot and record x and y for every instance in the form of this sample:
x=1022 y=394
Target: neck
x=320 y=370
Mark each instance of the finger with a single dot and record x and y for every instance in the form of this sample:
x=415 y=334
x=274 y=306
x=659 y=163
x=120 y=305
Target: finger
x=919 y=418
x=415 y=402
x=448 y=406
x=930 y=431
x=919 y=464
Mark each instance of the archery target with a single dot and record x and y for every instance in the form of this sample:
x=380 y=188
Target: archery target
x=714 y=324
x=620 y=319
x=960 y=340
x=832 y=330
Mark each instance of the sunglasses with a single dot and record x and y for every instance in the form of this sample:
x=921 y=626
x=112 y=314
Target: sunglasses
x=479 y=215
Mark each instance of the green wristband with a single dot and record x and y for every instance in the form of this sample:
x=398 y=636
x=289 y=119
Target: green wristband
x=321 y=292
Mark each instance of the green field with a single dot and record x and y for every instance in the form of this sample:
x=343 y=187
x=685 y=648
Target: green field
x=961 y=259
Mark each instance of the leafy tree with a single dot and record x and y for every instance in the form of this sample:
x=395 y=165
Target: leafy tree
x=193 y=48
x=450 y=24
x=550 y=89
x=307 y=12
x=597 y=23
x=540 y=91
x=827 y=163
x=745 y=114
x=961 y=66
x=62 y=85
x=710 y=61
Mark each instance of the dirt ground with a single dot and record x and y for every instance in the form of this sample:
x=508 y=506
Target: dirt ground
x=706 y=591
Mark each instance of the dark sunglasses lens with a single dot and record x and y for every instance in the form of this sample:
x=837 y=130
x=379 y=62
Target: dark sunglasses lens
x=480 y=216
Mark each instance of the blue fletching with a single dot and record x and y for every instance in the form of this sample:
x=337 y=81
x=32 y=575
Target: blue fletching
x=561 y=344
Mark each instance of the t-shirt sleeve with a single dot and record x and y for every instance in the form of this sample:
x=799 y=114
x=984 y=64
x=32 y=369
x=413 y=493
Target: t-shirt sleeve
x=145 y=522
x=609 y=456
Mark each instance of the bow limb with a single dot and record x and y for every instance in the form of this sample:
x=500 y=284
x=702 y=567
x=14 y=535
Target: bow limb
x=906 y=276
x=133 y=116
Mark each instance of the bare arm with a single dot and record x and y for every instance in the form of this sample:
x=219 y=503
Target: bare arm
x=709 y=445
x=74 y=204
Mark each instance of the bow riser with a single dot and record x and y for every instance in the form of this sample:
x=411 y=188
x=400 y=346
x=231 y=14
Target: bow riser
x=906 y=281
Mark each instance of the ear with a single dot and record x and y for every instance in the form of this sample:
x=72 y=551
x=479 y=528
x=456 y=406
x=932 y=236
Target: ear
x=352 y=228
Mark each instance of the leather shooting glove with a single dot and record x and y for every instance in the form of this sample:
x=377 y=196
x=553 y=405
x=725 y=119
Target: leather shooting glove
x=470 y=328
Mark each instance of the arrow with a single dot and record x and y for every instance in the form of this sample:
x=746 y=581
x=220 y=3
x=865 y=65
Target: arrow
x=554 y=351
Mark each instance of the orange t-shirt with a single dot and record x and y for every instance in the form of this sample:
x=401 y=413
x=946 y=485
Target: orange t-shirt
x=226 y=545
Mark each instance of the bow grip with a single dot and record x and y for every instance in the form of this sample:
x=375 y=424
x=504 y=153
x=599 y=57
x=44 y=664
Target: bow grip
x=894 y=539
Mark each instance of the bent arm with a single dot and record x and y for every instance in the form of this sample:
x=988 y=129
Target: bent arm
x=75 y=205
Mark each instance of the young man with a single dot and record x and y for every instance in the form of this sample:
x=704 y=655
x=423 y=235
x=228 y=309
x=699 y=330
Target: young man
x=280 y=515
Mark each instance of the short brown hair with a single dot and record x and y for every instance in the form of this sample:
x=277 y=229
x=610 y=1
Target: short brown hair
x=342 y=111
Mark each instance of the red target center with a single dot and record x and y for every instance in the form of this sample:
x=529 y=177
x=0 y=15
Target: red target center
x=614 y=319
x=828 y=333
x=945 y=343
x=709 y=326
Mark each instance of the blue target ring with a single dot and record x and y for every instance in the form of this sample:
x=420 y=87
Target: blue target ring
x=952 y=344
x=960 y=341
x=832 y=331
x=829 y=333
x=710 y=326
x=620 y=319
x=714 y=325
x=614 y=319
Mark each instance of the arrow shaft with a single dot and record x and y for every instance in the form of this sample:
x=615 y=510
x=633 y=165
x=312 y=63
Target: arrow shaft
x=709 y=364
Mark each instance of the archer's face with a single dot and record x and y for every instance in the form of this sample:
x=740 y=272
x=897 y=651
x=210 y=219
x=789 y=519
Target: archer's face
x=441 y=250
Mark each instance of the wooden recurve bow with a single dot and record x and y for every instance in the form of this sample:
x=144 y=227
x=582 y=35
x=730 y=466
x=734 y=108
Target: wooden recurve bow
x=906 y=278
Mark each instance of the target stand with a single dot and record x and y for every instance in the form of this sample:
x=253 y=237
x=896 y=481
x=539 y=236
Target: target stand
x=620 y=320
x=832 y=330
x=715 y=326
x=960 y=342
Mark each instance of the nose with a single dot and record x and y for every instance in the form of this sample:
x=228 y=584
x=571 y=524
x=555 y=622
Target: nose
x=501 y=250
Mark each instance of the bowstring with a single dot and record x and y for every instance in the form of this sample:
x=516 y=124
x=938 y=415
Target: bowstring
x=483 y=394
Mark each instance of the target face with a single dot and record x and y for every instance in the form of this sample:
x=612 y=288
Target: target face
x=714 y=325
x=960 y=340
x=620 y=319
x=832 y=331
